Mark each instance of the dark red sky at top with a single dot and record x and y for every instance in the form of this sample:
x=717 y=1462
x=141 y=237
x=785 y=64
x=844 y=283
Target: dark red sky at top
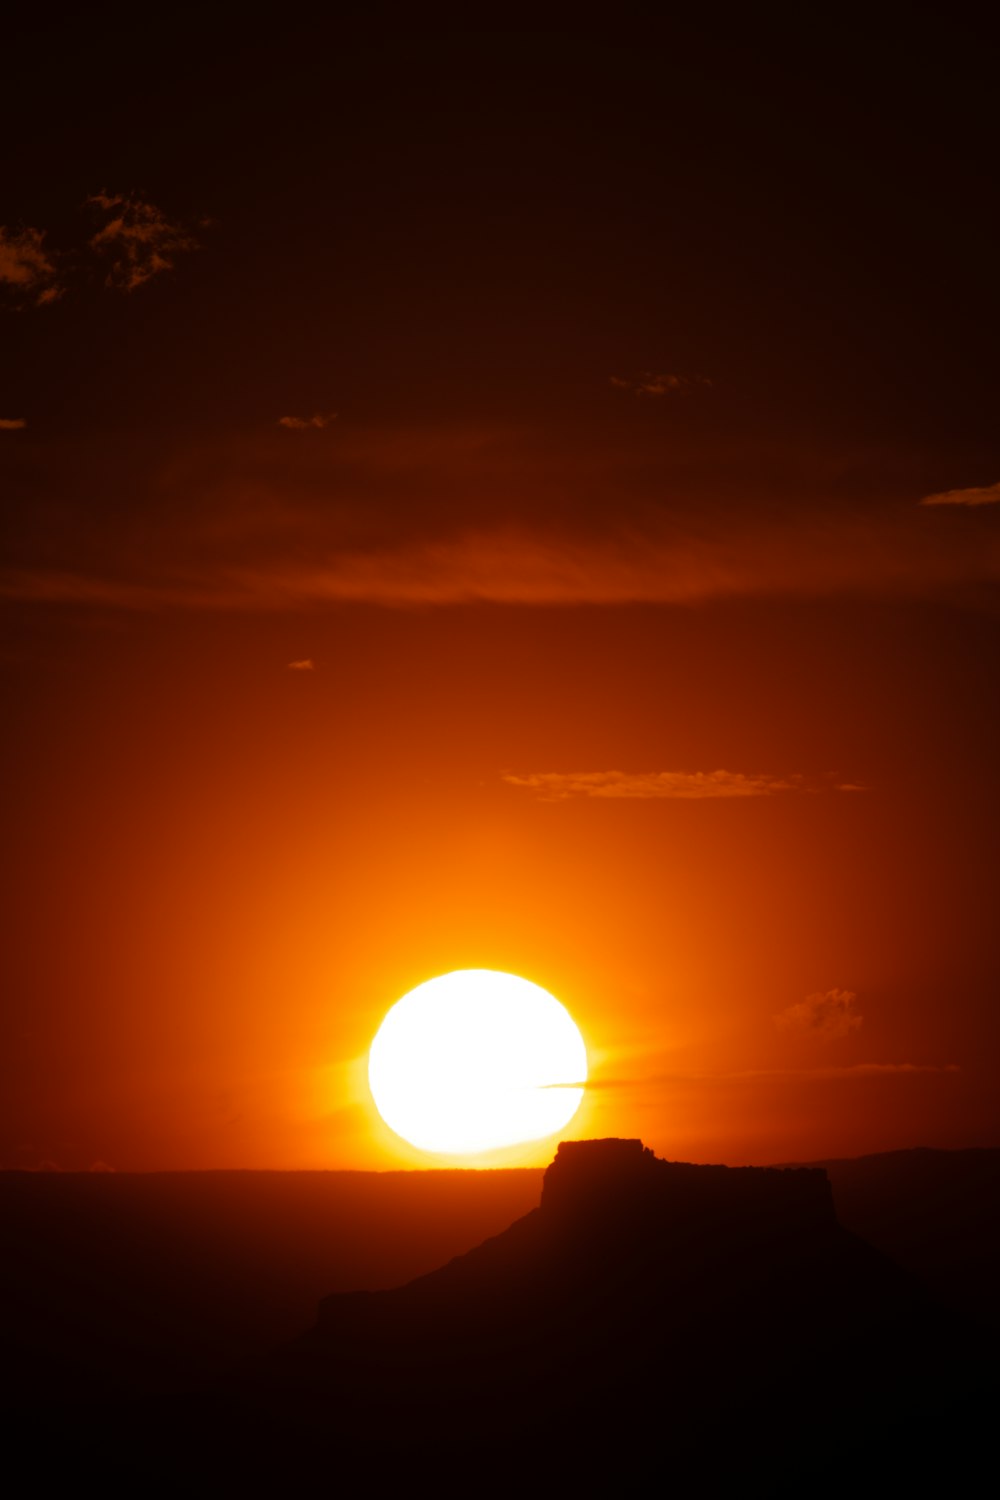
x=566 y=404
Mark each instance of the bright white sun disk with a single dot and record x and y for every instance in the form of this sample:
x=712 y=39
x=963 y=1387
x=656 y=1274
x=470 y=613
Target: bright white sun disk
x=474 y=1060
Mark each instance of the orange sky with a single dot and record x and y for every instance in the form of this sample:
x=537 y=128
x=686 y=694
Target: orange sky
x=471 y=527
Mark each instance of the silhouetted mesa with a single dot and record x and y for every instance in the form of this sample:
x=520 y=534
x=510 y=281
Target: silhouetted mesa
x=645 y=1308
x=590 y=1179
x=714 y=1324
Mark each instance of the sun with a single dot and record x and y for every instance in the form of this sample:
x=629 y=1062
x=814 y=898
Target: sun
x=475 y=1060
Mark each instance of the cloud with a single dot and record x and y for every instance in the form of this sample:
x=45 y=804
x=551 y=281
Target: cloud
x=421 y=517
x=559 y=786
x=302 y=424
x=648 y=384
x=306 y=665
x=987 y=495
x=512 y=565
x=849 y=1071
x=138 y=239
x=874 y=1070
x=13 y=424
x=828 y=1013
x=26 y=269
x=832 y=1072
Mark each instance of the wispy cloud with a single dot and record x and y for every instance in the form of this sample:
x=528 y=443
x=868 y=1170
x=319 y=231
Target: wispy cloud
x=833 y=1072
x=875 y=1070
x=27 y=270
x=649 y=384
x=303 y=424
x=828 y=1014
x=559 y=786
x=986 y=495
x=510 y=566
x=850 y=1070
x=306 y=665
x=435 y=517
x=44 y=586
x=137 y=238
x=13 y=424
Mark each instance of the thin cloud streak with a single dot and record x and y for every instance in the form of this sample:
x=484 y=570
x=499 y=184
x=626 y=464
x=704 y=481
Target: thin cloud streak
x=648 y=384
x=318 y=420
x=986 y=495
x=516 y=568
x=688 y=786
x=13 y=424
x=852 y=1070
x=407 y=518
x=846 y=1071
x=55 y=587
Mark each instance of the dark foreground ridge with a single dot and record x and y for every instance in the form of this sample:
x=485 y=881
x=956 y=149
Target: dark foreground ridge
x=719 y=1319
x=713 y=1326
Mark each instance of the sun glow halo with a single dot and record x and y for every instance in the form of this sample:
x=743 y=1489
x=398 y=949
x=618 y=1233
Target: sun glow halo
x=475 y=1060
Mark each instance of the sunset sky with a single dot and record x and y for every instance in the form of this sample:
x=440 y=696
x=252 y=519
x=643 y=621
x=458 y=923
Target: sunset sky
x=518 y=499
